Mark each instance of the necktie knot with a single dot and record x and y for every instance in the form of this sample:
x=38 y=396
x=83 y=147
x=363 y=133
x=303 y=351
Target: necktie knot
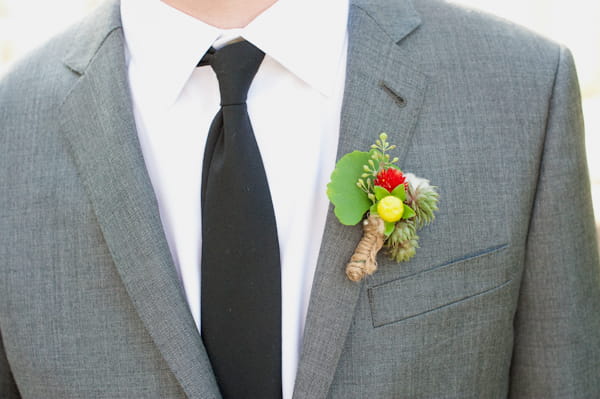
x=235 y=66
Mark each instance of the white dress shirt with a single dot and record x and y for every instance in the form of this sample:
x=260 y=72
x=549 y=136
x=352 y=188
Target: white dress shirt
x=294 y=105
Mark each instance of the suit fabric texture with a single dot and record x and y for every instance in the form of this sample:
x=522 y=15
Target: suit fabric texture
x=502 y=299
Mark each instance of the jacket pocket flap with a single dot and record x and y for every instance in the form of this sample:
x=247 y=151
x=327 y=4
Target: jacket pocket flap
x=437 y=287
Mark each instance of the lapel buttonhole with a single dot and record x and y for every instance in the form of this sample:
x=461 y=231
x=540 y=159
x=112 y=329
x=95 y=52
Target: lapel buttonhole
x=401 y=101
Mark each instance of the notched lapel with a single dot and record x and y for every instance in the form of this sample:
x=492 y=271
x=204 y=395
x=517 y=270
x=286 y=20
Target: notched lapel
x=382 y=94
x=98 y=124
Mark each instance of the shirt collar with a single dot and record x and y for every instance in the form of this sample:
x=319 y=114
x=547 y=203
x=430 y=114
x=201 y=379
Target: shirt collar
x=307 y=37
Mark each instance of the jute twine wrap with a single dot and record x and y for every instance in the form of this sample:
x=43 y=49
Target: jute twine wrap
x=364 y=260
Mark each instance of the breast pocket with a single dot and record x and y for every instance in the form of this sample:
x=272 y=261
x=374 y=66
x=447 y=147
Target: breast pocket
x=450 y=283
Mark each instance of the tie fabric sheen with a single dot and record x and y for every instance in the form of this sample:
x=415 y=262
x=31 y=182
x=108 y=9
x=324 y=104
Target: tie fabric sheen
x=240 y=275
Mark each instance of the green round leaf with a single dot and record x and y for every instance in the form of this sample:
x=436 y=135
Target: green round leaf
x=350 y=202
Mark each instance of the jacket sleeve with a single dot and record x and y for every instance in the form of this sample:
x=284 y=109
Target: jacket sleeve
x=8 y=388
x=557 y=325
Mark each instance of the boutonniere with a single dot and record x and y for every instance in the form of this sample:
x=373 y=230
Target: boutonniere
x=369 y=187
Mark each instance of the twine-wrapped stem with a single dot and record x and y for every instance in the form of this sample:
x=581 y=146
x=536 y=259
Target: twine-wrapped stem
x=364 y=260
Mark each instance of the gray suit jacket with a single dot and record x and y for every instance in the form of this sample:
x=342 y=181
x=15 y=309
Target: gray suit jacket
x=501 y=300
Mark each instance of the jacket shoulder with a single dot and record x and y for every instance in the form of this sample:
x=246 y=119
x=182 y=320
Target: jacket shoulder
x=51 y=69
x=460 y=32
x=38 y=74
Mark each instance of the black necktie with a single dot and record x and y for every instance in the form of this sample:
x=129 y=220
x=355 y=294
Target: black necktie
x=241 y=277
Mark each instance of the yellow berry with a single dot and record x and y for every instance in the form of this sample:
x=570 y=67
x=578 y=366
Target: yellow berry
x=390 y=209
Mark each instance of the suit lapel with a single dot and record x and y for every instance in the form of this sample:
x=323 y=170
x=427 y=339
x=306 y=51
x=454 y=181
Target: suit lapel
x=98 y=124
x=382 y=94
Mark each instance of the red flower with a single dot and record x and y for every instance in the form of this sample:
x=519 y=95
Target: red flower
x=390 y=179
